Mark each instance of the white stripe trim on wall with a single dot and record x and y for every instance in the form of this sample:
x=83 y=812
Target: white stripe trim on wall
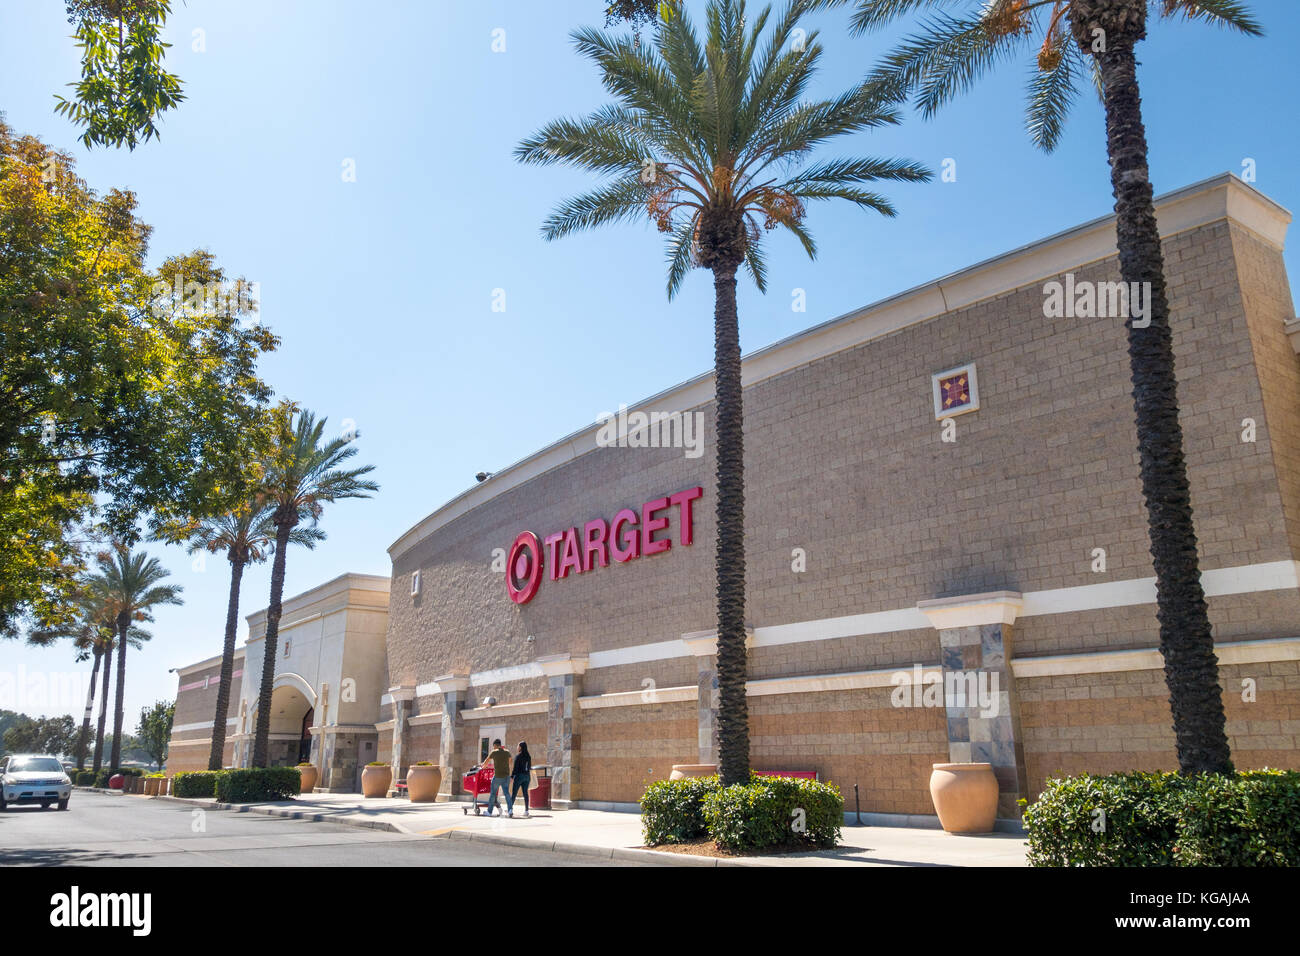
x=649 y=697
x=1145 y=659
x=201 y=725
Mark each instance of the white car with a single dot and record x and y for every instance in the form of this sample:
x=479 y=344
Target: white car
x=34 y=778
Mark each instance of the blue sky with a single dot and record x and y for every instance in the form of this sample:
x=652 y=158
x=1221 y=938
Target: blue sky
x=382 y=289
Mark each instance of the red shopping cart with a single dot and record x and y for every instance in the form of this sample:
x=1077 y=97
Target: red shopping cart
x=475 y=782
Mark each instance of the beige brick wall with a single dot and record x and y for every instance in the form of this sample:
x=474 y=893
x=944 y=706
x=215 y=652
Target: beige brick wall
x=1101 y=723
x=624 y=749
x=189 y=749
x=844 y=460
x=852 y=737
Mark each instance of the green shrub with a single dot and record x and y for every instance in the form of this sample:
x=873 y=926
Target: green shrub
x=258 y=784
x=773 y=812
x=1124 y=819
x=377 y=763
x=672 y=811
x=1252 y=819
x=1164 y=819
x=85 y=778
x=198 y=783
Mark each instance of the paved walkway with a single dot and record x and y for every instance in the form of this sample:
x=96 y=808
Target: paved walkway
x=618 y=835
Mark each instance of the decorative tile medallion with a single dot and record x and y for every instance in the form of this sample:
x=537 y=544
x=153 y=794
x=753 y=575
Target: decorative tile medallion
x=955 y=391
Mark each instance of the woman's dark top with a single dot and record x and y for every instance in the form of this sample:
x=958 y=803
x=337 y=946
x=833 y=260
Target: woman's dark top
x=523 y=764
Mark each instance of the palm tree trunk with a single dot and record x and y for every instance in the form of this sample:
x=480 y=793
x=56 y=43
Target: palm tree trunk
x=123 y=624
x=262 y=739
x=217 y=754
x=84 y=737
x=733 y=710
x=1186 y=642
x=103 y=708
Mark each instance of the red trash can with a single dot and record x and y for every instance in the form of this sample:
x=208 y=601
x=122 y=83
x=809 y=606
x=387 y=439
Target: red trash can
x=539 y=798
x=115 y=782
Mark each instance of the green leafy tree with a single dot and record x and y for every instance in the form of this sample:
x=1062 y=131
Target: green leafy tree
x=123 y=392
x=302 y=476
x=155 y=730
x=8 y=718
x=42 y=735
x=246 y=535
x=1099 y=37
x=131 y=584
x=708 y=137
x=123 y=88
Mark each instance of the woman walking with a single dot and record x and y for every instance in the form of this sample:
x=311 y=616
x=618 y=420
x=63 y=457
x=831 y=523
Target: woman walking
x=520 y=777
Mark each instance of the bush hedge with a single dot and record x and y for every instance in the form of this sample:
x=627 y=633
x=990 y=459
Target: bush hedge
x=1164 y=819
x=775 y=811
x=258 y=783
x=84 y=778
x=766 y=812
x=1250 y=820
x=196 y=783
x=672 y=811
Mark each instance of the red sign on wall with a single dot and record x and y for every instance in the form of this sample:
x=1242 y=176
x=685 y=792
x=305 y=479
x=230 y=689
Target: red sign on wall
x=630 y=535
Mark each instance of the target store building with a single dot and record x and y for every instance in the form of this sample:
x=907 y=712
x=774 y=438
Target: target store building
x=940 y=485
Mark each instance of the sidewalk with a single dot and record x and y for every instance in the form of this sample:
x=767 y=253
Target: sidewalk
x=611 y=834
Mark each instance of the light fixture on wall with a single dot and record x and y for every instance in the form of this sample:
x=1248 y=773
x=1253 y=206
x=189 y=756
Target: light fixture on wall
x=489 y=701
x=415 y=582
x=530 y=639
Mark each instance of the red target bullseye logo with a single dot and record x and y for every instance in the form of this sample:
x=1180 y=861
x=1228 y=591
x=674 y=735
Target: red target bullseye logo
x=524 y=568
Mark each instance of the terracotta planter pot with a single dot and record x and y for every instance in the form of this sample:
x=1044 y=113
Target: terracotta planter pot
x=309 y=777
x=965 y=796
x=423 y=783
x=375 y=781
x=686 y=771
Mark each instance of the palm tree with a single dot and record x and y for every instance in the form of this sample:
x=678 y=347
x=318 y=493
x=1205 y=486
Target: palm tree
x=91 y=634
x=129 y=583
x=302 y=475
x=1100 y=36
x=247 y=536
x=704 y=140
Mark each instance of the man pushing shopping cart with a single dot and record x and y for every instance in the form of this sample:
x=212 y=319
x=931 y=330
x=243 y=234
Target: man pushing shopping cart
x=498 y=761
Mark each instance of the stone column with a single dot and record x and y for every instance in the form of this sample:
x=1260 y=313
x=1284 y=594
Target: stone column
x=453 y=688
x=402 y=697
x=703 y=646
x=563 y=726
x=979 y=688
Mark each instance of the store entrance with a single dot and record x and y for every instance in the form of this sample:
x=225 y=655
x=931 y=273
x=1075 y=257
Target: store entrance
x=304 y=742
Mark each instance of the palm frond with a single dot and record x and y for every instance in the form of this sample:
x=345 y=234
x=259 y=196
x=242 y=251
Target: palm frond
x=1221 y=13
x=946 y=58
x=622 y=200
x=1052 y=92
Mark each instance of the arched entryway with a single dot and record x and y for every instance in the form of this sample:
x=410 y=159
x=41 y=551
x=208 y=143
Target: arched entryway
x=292 y=715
